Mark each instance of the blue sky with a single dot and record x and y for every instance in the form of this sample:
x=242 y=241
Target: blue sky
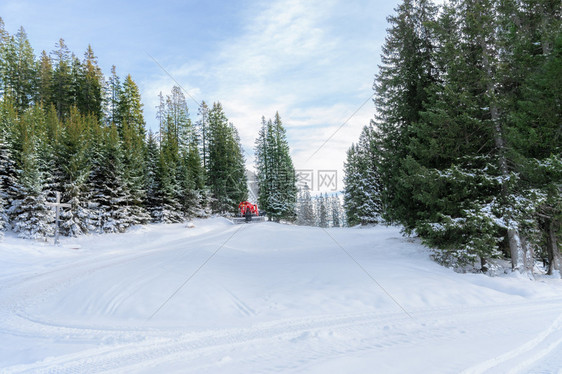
x=313 y=61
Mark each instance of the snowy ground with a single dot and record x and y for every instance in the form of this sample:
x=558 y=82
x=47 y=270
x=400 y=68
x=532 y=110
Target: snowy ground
x=273 y=299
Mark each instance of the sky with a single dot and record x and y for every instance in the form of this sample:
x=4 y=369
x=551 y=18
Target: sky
x=313 y=61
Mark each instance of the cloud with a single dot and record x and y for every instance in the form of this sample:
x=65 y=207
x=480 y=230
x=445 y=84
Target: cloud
x=313 y=61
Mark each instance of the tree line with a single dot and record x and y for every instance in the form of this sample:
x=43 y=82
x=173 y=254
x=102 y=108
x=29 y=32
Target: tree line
x=65 y=127
x=465 y=148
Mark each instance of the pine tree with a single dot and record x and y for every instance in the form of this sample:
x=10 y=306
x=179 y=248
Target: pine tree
x=203 y=129
x=74 y=158
x=111 y=97
x=134 y=177
x=305 y=210
x=109 y=191
x=406 y=72
x=153 y=180
x=275 y=171
x=226 y=175
x=322 y=211
x=8 y=173
x=8 y=120
x=129 y=108
x=30 y=216
x=44 y=94
x=335 y=206
x=62 y=89
x=89 y=95
x=23 y=80
x=531 y=74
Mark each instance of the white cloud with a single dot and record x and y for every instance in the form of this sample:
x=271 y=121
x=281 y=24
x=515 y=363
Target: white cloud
x=313 y=61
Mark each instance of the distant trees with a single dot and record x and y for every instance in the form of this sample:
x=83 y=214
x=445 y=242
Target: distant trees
x=466 y=152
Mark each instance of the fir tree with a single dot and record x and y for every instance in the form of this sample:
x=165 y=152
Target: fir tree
x=30 y=216
x=89 y=93
x=305 y=209
x=76 y=167
x=226 y=172
x=275 y=171
x=129 y=108
x=62 y=90
x=44 y=92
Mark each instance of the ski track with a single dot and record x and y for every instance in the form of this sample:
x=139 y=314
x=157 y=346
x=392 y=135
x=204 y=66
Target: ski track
x=310 y=339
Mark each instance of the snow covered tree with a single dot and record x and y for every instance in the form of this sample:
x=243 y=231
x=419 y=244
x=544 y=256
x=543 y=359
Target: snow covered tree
x=336 y=211
x=406 y=72
x=134 y=155
x=153 y=181
x=203 y=130
x=275 y=171
x=109 y=194
x=74 y=158
x=322 y=211
x=226 y=176
x=30 y=216
x=363 y=187
x=305 y=208
x=8 y=120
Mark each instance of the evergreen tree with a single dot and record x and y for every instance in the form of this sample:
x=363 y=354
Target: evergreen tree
x=322 y=211
x=129 y=108
x=44 y=94
x=74 y=158
x=203 y=129
x=134 y=177
x=89 y=92
x=153 y=180
x=406 y=73
x=8 y=120
x=108 y=189
x=275 y=171
x=22 y=80
x=112 y=93
x=335 y=206
x=305 y=210
x=30 y=216
x=226 y=175
x=62 y=87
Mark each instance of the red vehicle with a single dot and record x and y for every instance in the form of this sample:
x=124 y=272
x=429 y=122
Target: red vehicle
x=248 y=213
x=246 y=206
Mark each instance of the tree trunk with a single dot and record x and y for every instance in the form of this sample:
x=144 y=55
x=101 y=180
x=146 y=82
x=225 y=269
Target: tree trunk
x=517 y=250
x=554 y=257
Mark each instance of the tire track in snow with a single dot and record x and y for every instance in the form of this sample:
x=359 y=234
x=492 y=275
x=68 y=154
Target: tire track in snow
x=310 y=337
x=526 y=355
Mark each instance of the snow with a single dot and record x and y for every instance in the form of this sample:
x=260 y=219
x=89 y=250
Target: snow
x=265 y=298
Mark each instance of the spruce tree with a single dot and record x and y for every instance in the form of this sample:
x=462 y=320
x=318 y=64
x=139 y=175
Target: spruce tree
x=62 y=90
x=275 y=171
x=30 y=216
x=89 y=94
x=407 y=71
x=226 y=175
x=305 y=209
x=129 y=108
x=76 y=166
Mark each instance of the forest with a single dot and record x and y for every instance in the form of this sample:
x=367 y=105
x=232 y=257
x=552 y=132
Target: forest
x=465 y=149
x=65 y=127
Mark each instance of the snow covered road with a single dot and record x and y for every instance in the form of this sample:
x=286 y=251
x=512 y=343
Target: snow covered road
x=264 y=298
